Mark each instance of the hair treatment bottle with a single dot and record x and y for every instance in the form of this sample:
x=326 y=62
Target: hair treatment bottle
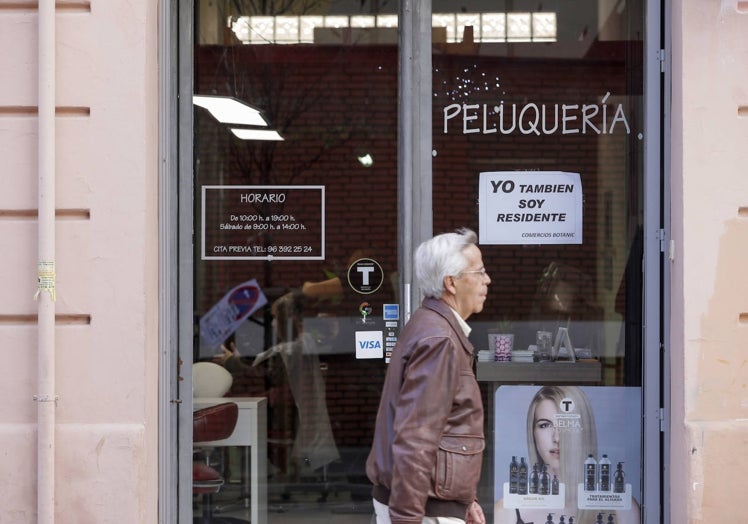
x=554 y=487
x=590 y=473
x=549 y=520
x=619 y=485
x=604 y=473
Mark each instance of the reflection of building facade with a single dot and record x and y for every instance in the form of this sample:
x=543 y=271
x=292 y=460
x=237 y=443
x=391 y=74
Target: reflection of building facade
x=114 y=125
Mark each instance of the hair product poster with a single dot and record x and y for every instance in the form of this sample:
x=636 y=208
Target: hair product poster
x=572 y=451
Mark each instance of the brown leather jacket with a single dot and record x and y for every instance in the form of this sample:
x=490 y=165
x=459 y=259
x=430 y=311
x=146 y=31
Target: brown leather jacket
x=428 y=442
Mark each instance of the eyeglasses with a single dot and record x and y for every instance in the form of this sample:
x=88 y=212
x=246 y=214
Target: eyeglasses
x=482 y=272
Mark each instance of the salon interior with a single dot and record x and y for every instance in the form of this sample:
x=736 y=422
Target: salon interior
x=290 y=203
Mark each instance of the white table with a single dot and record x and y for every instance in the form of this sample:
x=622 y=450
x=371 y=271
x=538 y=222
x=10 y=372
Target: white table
x=250 y=432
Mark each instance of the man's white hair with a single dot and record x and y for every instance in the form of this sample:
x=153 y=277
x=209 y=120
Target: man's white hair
x=440 y=257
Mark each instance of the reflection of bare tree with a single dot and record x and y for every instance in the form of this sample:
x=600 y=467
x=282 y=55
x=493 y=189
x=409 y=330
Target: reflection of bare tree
x=290 y=85
x=270 y=87
x=266 y=77
x=280 y=7
x=295 y=7
x=261 y=76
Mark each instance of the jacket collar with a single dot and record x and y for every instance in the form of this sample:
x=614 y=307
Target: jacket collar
x=442 y=308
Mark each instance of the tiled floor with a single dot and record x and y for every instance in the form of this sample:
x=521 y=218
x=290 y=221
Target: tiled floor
x=304 y=504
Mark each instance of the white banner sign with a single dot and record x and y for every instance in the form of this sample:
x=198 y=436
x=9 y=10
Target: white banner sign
x=530 y=207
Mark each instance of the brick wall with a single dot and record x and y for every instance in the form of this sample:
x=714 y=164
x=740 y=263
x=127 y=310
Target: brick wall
x=330 y=102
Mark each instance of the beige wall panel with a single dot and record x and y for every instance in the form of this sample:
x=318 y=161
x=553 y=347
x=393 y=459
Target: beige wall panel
x=18 y=267
x=18 y=146
x=18 y=345
x=103 y=63
x=97 y=262
x=18 y=31
x=99 y=365
x=715 y=156
x=709 y=287
x=93 y=163
x=105 y=103
x=94 y=51
x=717 y=460
x=101 y=470
x=88 y=392
x=100 y=376
x=718 y=356
x=18 y=490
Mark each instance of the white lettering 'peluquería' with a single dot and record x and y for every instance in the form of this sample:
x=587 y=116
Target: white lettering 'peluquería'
x=536 y=119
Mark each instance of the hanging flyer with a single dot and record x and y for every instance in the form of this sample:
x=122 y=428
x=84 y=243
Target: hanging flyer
x=229 y=312
x=530 y=207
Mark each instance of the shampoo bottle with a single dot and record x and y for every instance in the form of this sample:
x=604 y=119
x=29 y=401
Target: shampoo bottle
x=545 y=483
x=513 y=475
x=522 y=477
x=534 y=479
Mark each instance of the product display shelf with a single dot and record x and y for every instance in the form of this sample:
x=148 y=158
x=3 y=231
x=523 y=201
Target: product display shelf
x=587 y=371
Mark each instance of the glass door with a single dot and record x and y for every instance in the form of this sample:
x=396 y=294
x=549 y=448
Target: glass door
x=316 y=169
x=539 y=137
x=295 y=251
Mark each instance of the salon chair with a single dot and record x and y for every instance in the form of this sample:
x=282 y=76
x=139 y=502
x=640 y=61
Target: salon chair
x=208 y=424
x=217 y=422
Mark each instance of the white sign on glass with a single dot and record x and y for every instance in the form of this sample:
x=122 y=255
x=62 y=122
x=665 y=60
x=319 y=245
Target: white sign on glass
x=530 y=207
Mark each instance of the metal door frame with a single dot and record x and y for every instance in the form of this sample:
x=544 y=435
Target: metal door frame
x=175 y=260
x=415 y=158
x=414 y=224
x=656 y=227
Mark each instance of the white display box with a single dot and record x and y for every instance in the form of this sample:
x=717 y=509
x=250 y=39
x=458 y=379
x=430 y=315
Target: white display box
x=603 y=499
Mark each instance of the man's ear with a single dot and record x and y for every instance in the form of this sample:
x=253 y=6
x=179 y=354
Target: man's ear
x=449 y=284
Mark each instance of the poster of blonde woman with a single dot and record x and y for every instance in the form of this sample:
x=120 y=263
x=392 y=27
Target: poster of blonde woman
x=567 y=455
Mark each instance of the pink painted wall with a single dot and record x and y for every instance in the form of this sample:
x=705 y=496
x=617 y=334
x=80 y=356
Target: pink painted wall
x=106 y=261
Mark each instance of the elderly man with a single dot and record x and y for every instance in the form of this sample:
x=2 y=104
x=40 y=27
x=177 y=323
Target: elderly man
x=428 y=444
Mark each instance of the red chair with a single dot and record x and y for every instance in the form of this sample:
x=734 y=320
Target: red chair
x=208 y=424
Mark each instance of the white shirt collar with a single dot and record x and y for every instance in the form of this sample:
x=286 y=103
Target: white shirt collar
x=461 y=321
